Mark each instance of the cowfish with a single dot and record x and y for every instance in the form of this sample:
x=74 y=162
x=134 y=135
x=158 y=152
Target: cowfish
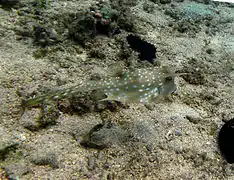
x=140 y=85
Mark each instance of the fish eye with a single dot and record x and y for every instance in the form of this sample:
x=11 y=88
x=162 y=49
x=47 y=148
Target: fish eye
x=168 y=78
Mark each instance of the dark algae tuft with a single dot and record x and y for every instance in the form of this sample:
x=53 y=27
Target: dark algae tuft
x=225 y=141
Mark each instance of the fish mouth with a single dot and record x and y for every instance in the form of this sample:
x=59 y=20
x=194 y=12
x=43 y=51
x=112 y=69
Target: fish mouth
x=175 y=91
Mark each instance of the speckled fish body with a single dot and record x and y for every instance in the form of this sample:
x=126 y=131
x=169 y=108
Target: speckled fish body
x=140 y=85
x=134 y=86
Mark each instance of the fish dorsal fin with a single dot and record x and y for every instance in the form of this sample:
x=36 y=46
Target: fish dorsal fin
x=168 y=71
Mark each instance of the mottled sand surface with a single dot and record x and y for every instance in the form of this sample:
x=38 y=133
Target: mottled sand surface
x=49 y=45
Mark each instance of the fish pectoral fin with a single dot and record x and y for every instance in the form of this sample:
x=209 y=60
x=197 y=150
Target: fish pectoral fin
x=105 y=99
x=109 y=97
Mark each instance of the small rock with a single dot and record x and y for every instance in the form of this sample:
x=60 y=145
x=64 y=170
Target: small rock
x=6 y=141
x=42 y=157
x=149 y=106
x=44 y=35
x=50 y=114
x=64 y=105
x=193 y=119
x=31 y=118
x=178 y=132
x=209 y=51
x=91 y=163
x=169 y=136
x=16 y=170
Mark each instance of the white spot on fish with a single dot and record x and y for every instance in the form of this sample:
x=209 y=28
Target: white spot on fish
x=56 y=97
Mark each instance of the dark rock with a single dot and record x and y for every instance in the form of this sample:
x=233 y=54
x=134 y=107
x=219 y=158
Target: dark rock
x=83 y=29
x=36 y=118
x=161 y=1
x=101 y=136
x=147 y=51
x=44 y=36
x=225 y=141
x=64 y=106
x=209 y=51
x=50 y=114
x=123 y=16
x=127 y=22
x=148 y=7
x=8 y=1
x=102 y=28
x=165 y=1
x=90 y=101
x=82 y=104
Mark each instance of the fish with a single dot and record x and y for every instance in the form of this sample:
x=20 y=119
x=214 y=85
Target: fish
x=140 y=85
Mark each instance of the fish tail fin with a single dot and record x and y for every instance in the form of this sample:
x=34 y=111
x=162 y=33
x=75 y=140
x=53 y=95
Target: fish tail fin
x=56 y=95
